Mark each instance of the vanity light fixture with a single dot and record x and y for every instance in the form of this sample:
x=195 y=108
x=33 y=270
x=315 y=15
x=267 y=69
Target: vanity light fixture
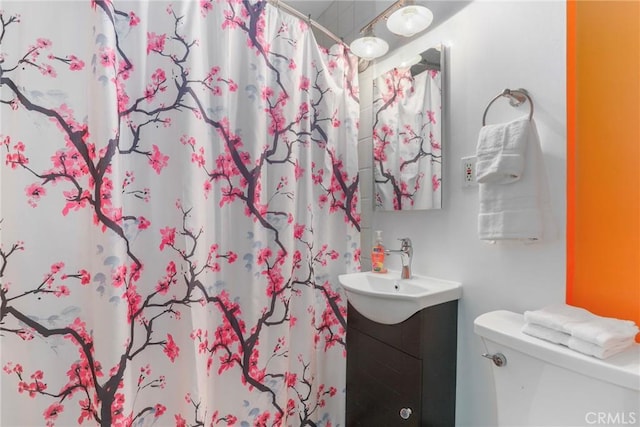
x=409 y=20
x=369 y=47
x=402 y=19
x=410 y=61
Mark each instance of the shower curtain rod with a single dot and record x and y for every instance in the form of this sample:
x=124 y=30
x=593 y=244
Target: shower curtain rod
x=281 y=5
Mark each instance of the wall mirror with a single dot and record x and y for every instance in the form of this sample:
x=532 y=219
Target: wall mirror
x=407 y=134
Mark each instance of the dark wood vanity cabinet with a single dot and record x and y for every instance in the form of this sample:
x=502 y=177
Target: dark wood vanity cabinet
x=408 y=365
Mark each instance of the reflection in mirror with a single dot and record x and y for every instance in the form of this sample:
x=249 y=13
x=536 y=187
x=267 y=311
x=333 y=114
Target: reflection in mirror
x=407 y=135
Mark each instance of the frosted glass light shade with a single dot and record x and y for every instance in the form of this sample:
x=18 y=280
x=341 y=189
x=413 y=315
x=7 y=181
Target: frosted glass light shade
x=369 y=47
x=409 y=20
x=410 y=61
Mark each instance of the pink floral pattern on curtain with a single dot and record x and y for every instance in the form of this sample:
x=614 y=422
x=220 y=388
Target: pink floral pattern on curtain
x=178 y=195
x=407 y=140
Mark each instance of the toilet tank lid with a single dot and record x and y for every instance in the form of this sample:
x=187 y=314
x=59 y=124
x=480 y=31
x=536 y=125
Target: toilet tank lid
x=505 y=327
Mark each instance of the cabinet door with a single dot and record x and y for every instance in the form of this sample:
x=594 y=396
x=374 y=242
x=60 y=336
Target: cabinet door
x=381 y=380
x=404 y=336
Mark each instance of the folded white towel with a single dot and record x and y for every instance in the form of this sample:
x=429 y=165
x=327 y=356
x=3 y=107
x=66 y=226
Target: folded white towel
x=545 y=333
x=604 y=331
x=520 y=209
x=577 y=344
x=580 y=330
x=598 y=351
x=558 y=317
x=500 y=151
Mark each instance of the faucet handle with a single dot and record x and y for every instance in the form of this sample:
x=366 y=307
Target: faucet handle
x=406 y=242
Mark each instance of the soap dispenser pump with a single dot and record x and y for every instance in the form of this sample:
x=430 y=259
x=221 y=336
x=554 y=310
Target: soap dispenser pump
x=377 y=255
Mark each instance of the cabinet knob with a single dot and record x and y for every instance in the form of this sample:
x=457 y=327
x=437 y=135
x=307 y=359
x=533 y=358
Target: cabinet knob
x=405 y=413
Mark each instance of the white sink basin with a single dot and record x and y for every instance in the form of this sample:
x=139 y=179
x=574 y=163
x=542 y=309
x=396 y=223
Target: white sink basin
x=386 y=298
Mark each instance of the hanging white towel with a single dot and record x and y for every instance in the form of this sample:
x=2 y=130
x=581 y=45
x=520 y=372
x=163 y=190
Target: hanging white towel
x=500 y=152
x=519 y=209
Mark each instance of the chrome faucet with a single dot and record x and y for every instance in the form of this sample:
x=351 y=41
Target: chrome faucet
x=406 y=255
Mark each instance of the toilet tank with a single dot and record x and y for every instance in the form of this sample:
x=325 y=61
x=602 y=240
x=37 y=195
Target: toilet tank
x=546 y=384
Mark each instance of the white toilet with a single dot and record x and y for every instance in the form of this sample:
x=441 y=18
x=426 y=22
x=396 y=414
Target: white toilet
x=546 y=384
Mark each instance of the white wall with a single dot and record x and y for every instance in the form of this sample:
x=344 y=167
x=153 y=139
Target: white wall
x=491 y=45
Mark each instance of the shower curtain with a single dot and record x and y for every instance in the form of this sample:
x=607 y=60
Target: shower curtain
x=178 y=193
x=407 y=140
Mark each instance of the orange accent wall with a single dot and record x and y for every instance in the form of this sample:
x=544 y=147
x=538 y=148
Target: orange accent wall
x=603 y=182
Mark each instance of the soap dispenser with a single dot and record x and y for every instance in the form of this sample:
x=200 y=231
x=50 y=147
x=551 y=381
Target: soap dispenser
x=377 y=255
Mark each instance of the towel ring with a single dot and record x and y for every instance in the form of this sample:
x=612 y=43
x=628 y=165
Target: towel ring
x=516 y=99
